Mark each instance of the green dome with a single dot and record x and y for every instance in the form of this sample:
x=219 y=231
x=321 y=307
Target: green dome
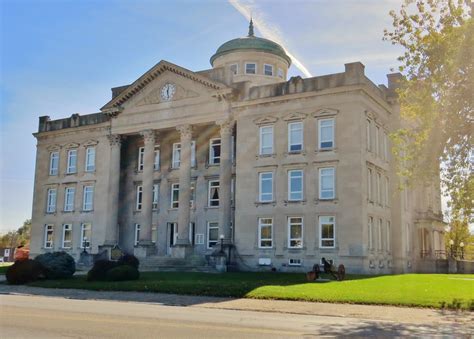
x=251 y=42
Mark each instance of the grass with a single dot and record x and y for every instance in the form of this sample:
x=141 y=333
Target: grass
x=418 y=290
x=4 y=266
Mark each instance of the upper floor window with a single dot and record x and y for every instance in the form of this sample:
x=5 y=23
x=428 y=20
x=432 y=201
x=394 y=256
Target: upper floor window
x=377 y=140
x=295 y=136
x=139 y=202
x=54 y=163
x=156 y=194
x=51 y=201
x=174 y=195
x=327 y=231
x=295 y=232
x=234 y=69
x=176 y=160
x=213 y=193
x=71 y=161
x=378 y=187
x=268 y=70
x=141 y=157
x=48 y=236
x=387 y=190
x=368 y=135
x=370 y=227
x=214 y=151
x=212 y=234
x=266 y=140
x=90 y=159
x=193 y=194
x=326 y=183
x=265 y=187
x=265 y=232
x=88 y=198
x=136 y=237
x=388 y=247
x=380 y=235
x=250 y=68
x=385 y=145
x=156 y=162
x=295 y=185
x=67 y=236
x=69 y=199
x=326 y=133
x=280 y=73
x=369 y=184
x=86 y=235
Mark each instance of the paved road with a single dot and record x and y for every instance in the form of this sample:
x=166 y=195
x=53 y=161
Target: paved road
x=52 y=317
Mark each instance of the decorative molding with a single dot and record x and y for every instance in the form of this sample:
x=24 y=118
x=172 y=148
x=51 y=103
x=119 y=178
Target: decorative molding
x=295 y=116
x=265 y=120
x=154 y=97
x=90 y=142
x=226 y=126
x=71 y=145
x=53 y=148
x=113 y=111
x=149 y=136
x=185 y=130
x=325 y=112
x=370 y=115
x=115 y=139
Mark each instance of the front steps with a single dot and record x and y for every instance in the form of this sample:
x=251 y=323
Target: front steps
x=169 y=264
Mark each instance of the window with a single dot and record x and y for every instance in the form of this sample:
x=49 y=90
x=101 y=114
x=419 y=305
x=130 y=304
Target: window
x=48 y=236
x=295 y=185
x=295 y=232
x=294 y=262
x=136 y=234
x=213 y=193
x=212 y=234
x=377 y=140
x=90 y=159
x=88 y=201
x=199 y=239
x=371 y=233
x=156 y=194
x=265 y=187
x=51 y=201
x=265 y=232
x=378 y=188
x=141 y=156
x=407 y=227
x=295 y=136
x=387 y=235
x=86 y=235
x=326 y=183
x=368 y=138
x=326 y=133
x=266 y=140
x=71 y=161
x=174 y=195
x=326 y=227
x=139 y=201
x=234 y=69
x=67 y=236
x=387 y=195
x=379 y=235
x=154 y=234
x=250 y=68
x=156 y=162
x=176 y=161
x=69 y=199
x=214 y=151
x=369 y=184
x=280 y=73
x=385 y=146
x=192 y=197
x=54 y=163
x=268 y=70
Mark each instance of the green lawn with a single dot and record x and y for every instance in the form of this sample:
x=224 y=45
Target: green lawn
x=4 y=266
x=422 y=290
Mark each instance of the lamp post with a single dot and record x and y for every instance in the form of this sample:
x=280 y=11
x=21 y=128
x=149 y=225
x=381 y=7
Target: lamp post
x=462 y=250
x=451 y=244
x=84 y=243
x=221 y=237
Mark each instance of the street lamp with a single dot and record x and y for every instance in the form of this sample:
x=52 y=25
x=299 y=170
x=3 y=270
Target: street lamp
x=451 y=244
x=462 y=250
x=84 y=243
x=221 y=237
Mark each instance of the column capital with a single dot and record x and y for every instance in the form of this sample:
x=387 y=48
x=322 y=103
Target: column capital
x=226 y=126
x=115 y=139
x=186 y=131
x=148 y=135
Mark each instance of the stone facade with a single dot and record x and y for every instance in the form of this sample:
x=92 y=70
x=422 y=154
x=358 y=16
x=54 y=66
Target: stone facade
x=279 y=172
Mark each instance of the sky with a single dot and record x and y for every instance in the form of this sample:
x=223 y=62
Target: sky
x=60 y=57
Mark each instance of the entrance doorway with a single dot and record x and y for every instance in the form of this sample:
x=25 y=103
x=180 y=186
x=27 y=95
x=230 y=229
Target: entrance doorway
x=172 y=232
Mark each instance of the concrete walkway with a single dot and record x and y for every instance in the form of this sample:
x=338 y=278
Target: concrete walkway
x=462 y=320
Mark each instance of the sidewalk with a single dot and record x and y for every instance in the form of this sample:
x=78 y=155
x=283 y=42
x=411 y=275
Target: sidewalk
x=420 y=316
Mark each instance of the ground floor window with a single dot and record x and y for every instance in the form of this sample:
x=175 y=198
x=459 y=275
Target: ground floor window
x=327 y=231
x=295 y=232
x=174 y=195
x=212 y=234
x=137 y=234
x=86 y=235
x=48 y=236
x=265 y=232
x=67 y=236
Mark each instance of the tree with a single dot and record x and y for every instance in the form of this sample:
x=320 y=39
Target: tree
x=458 y=233
x=436 y=96
x=19 y=237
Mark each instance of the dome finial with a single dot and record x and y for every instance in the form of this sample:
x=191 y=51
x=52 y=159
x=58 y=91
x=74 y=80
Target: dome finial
x=251 y=28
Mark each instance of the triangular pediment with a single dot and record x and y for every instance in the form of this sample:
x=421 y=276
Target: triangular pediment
x=149 y=87
x=295 y=116
x=266 y=120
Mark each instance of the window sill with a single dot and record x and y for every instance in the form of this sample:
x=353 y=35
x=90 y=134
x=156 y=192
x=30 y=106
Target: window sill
x=211 y=208
x=136 y=212
x=50 y=213
x=327 y=248
x=263 y=156
x=87 y=211
x=325 y=150
x=333 y=200
x=295 y=249
x=90 y=172
x=212 y=165
x=67 y=212
x=301 y=152
x=265 y=203
x=294 y=202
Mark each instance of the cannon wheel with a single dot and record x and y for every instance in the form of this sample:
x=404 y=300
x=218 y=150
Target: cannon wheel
x=341 y=272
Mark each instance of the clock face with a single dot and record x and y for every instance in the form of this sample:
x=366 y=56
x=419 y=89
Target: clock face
x=167 y=92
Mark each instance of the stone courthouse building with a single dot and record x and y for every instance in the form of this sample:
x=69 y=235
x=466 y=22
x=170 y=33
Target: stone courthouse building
x=278 y=172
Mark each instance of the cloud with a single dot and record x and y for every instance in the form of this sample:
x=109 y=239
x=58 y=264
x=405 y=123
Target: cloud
x=250 y=10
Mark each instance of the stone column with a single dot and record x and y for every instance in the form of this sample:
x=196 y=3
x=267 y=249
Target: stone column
x=147 y=182
x=111 y=231
x=183 y=247
x=225 y=180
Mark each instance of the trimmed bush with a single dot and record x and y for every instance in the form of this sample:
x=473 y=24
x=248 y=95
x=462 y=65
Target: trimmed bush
x=58 y=265
x=122 y=273
x=24 y=271
x=99 y=270
x=129 y=259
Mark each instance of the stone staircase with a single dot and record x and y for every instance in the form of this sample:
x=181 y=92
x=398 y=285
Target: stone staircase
x=169 y=264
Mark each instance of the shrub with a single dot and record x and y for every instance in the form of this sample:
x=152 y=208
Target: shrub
x=129 y=259
x=58 y=265
x=24 y=271
x=99 y=270
x=122 y=272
